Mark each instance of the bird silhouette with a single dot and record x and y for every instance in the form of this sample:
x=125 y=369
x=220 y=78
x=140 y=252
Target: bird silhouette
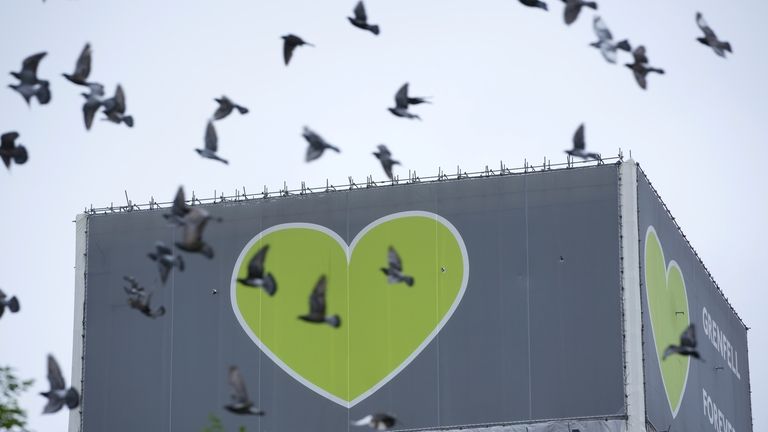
x=165 y=259
x=194 y=223
x=394 y=269
x=640 y=67
x=579 y=146
x=93 y=101
x=29 y=84
x=12 y=303
x=687 y=345
x=211 y=144
x=317 y=306
x=403 y=101
x=225 y=108
x=535 y=3
x=710 y=39
x=10 y=151
x=59 y=394
x=290 y=42
x=317 y=145
x=179 y=209
x=605 y=42
x=241 y=403
x=256 y=276
x=114 y=108
x=573 y=9
x=360 y=20
x=142 y=304
x=385 y=157
x=377 y=421
x=82 y=67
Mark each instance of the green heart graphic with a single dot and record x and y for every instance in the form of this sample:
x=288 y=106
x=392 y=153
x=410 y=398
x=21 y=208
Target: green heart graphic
x=668 y=306
x=383 y=326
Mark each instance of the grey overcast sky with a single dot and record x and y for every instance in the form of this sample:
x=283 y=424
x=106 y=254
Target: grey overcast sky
x=508 y=82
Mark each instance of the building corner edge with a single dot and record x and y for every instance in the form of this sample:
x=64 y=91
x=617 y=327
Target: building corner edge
x=78 y=324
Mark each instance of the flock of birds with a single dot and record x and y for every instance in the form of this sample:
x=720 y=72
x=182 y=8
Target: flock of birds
x=192 y=220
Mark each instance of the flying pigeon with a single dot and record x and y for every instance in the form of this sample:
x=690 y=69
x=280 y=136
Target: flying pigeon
x=11 y=303
x=136 y=289
x=378 y=421
x=141 y=304
x=225 y=108
x=573 y=8
x=317 y=306
x=605 y=42
x=361 y=19
x=687 y=345
x=10 y=151
x=317 y=145
x=93 y=102
x=114 y=108
x=385 y=157
x=179 y=209
x=640 y=67
x=535 y=3
x=165 y=259
x=402 y=101
x=710 y=39
x=256 y=277
x=29 y=84
x=82 y=67
x=241 y=403
x=394 y=271
x=58 y=395
x=290 y=42
x=211 y=144
x=579 y=146
x=192 y=235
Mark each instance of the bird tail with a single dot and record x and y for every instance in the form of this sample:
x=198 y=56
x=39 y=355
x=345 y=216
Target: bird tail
x=72 y=398
x=592 y=5
x=624 y=45
x=334 y=321
x=374 y=29
x=179 y=262
x=128 y=120
x=543 y=6
x=270 y=285
x=334 y=148
x=13 y=304
x=658 y=71
x=54 y=402
x=408 y=280
x=241 y=109
x=726 y=46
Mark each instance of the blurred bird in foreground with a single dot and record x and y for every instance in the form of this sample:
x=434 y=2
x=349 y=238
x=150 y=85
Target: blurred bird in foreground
x=290 y=42
x=29 y=84
x=256 y=275
x=93 y=101
x=225 y=108
x=194 y=223
x=82 y=67
x=535 y=3
x=573 y=9
x=241 y=403
x=687 y=345
x=579 y=146
x=403 y=101
x=385 y=157
x=141 y=304
x=58 y=395
x=710 y=39
x=317 y=306
x=211 y=144
x=605 y=42
x=394 y=270
x=317 y=145
x=640 y=67
x=136 y=289
x=165 y=259
x=378 y=421
x=10 y=151
x=179 y=209
x=11 y=303
x=114 y=108
x=360 y=20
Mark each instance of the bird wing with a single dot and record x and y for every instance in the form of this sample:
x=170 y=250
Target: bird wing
x=360 y=12
x=89 y=111
x=194 y=224
x=256 y=266
x=640 y=78
x=83 y=65
x=54 y=374
x=225 y=107
x=601 y=30
x=688 y=338
x=239 y=393
x=288 y=46
x=211 y=140
x=119 y=100
x=30 y=63
x=2 y=295
x=401 y=97
x=639 y=55
x=315 y=141
x=317 y=298
x=578 y=138
x=394 y=259
x=572 y=9
x=162 y=249
x=384 y=150
x=8 y=140
x=179 y=205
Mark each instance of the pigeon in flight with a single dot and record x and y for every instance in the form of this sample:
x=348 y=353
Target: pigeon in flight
x=29 y=84
x=317 y=306
x=640 y=67
x=82 y=67
x=378 y=421
x=317 y=145
x=11 y=303
x=225 y=108
x=10 y=151
x=93 y=102
x=605 y=42
x=114 y=108
x=192 y=234
x=165 y=259
x=687 y=345
x=179 y=209
x=535 y=3
x=136 y=289
x=290 y=42
x=394 y=271
x=141 y=304
x=360 y=19
x=256 y=277
x=211 y=144
x=58 y=395
x=579 y=146
x=241 y=403
x=710 y=39
x=573 y=8
x=385 y=157
x=402 y=101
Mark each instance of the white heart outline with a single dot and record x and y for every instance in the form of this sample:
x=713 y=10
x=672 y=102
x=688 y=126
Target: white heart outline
x=668 y=267
x=348 y=249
